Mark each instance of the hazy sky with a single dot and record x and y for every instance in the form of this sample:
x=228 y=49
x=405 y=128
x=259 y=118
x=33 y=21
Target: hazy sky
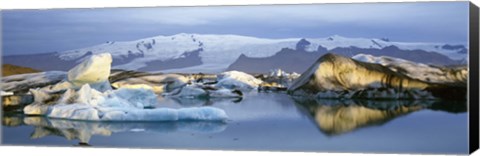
x=39 y=31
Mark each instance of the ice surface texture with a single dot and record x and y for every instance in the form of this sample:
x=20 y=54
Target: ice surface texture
x=96 y=101
x=118 y=105
x=237 y=80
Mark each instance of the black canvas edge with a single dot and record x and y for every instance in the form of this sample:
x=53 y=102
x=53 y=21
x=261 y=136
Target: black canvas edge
x=473 y=96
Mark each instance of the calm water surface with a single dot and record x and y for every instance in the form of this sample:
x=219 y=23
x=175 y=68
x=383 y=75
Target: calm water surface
x=272 y=122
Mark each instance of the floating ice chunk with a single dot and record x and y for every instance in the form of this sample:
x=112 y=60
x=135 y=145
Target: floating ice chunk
x=90 y=113
x=37 y=109
x=68 y=97
x=424 y=72
x=93 y=71
x=159 y=83
x=2 y=93
x=118 y=105
x=64 y=85
x=89 y=96
x=96 y=69
x=337 y=73
x=101 y=86
x=42 y=102
x=138 y=98
x=74 y=112
x=237 y=80
x=156 y=89
x=23 y=82
x=40 y=96
x=135 y=98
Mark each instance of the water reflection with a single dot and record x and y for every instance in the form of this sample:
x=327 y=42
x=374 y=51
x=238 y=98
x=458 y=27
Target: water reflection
x=193 y=102
x=83 y=130
x=335 y=117
x=261 y=119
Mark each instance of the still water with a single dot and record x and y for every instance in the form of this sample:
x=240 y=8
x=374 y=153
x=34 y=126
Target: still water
x=269 y=122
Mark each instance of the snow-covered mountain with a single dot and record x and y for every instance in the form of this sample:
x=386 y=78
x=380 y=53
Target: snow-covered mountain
x=214 y=53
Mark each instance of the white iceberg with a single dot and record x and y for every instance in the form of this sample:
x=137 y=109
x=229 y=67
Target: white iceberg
x=237 y=80
x=118 y=105
x=95 y=69
x=96 y=101
x=3 y=93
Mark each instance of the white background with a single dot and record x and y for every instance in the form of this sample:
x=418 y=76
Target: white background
x=46 y=4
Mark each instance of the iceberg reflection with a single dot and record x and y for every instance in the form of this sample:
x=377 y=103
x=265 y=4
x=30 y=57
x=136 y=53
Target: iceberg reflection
x=84 y=130
x=335 y=117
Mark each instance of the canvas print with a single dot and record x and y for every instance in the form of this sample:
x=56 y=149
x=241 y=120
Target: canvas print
x=367 y=77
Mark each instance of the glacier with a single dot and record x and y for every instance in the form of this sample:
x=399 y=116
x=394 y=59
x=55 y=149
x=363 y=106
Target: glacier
x=219 y=51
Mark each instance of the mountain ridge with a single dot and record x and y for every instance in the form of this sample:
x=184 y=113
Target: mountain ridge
x=218 y=52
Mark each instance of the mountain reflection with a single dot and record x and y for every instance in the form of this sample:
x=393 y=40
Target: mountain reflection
x=335 y=117
x=83 y=130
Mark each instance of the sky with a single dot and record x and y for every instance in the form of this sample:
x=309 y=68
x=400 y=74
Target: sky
x=56 y=30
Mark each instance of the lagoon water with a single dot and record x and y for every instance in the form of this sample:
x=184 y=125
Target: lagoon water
x=269 y=122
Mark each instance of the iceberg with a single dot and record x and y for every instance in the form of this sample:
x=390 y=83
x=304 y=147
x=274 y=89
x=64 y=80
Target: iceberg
x=335 y=76
x=23 y=82
x=95 y=69
x=159 y=83
x=3 y=93
x=86 y=95
x=424 y=72
x=89 y=113
x=335 y=72
x=237 y=80
x=118 y=105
